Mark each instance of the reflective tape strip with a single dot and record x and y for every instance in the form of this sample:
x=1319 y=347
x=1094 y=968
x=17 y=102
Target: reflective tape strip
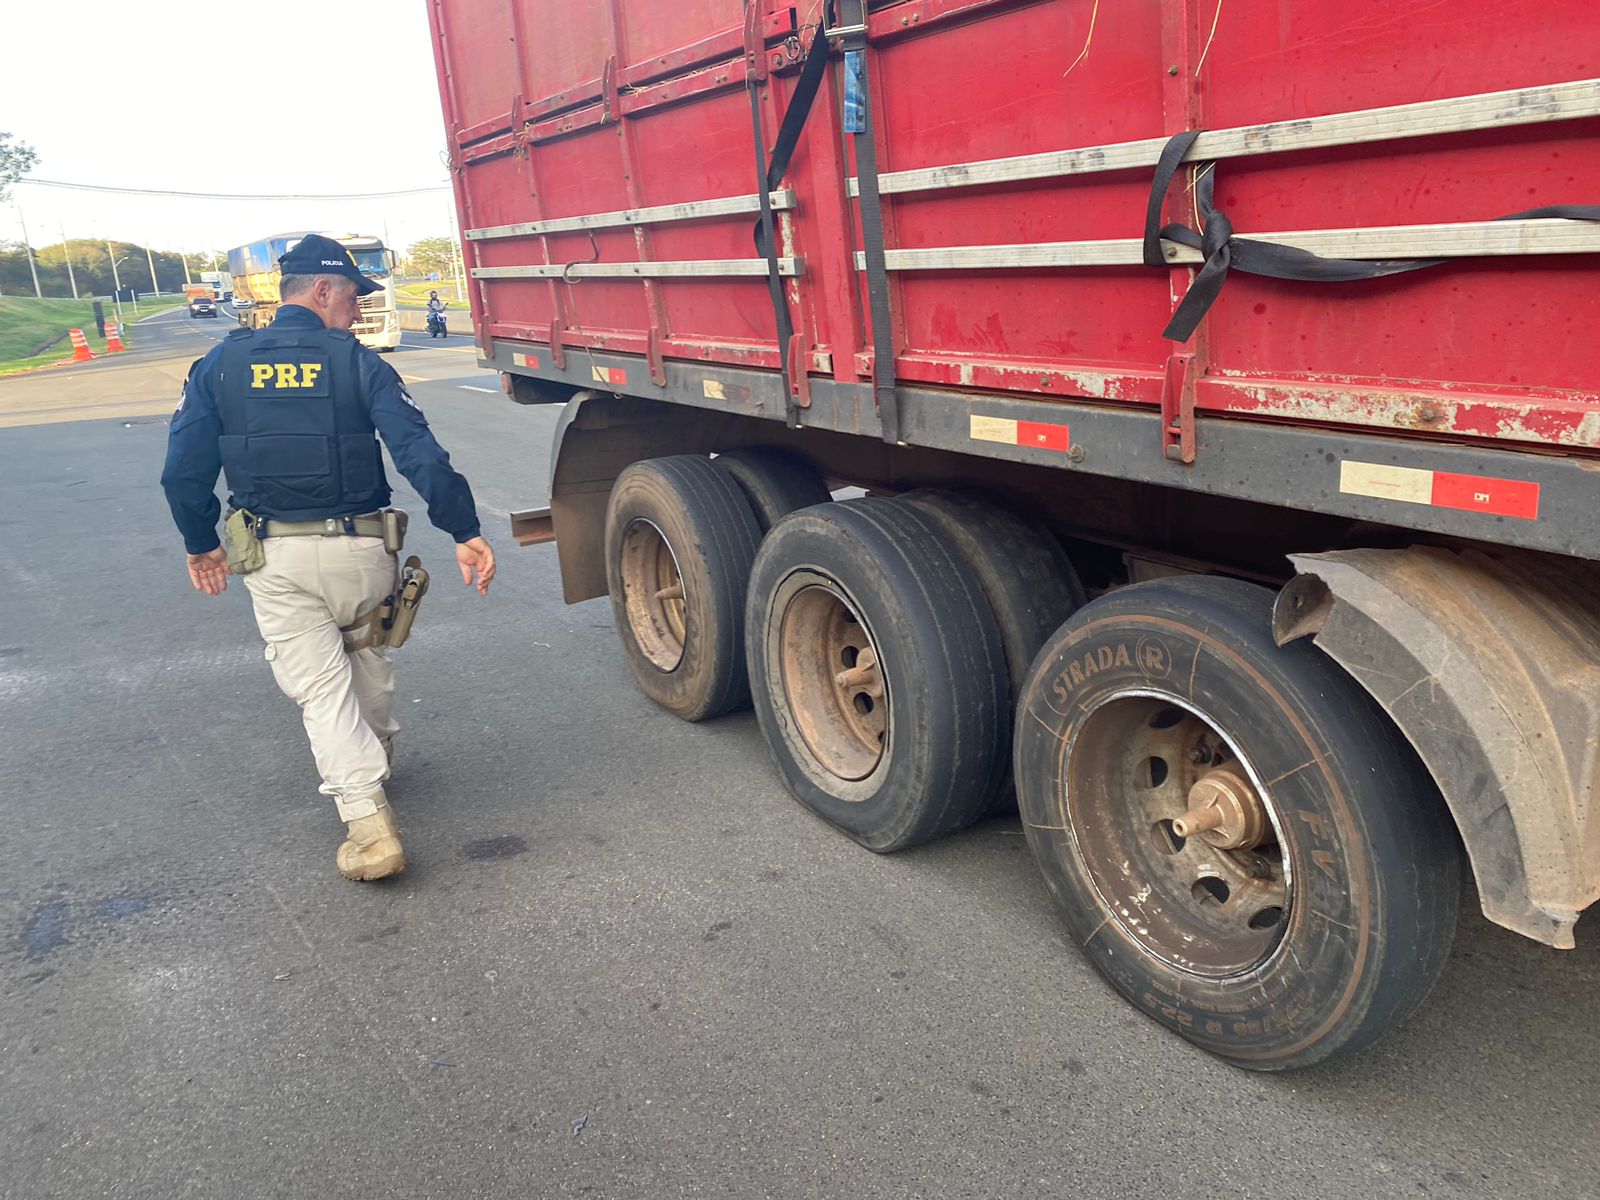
x=1441 y=489
x=1038 y=434
x=1478 y=493
x=524 y=360
x=609 y=374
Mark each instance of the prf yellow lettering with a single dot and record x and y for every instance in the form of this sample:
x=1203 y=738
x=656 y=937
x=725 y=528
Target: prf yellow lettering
x=288 y=375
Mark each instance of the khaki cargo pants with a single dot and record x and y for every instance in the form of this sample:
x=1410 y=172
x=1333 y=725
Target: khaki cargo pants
x=309 y=587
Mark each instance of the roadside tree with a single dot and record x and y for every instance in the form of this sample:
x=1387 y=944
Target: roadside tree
x=432 y=254
x=16 y=160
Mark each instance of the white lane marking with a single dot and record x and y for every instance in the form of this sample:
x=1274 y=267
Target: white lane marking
x=154 y=316
x=467 y=387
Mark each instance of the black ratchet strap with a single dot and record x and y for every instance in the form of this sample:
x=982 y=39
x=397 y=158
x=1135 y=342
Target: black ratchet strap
x=883 y=380
x=770 y=173
x=1222 y=251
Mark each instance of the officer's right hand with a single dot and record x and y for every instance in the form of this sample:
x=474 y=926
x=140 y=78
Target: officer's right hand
x=475 y=555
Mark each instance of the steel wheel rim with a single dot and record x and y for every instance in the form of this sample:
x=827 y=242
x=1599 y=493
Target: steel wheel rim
x=833 y=681
x=652 y=594
x=1134 y=767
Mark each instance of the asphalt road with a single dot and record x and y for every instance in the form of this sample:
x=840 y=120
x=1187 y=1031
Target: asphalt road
x=623 y=962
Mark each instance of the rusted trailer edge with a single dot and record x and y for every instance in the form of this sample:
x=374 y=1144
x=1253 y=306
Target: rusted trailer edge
x=1502 y=496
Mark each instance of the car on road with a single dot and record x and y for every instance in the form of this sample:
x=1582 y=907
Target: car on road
x=202 y=306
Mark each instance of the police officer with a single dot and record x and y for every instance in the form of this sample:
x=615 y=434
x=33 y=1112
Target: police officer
x=291 y=416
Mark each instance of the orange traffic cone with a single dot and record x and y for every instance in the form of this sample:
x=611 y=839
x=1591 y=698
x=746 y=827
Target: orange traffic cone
x=114 y=337
x=80 y=346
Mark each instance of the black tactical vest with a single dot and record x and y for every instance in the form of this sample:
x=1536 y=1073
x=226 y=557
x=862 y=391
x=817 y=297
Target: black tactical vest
x=297 y=438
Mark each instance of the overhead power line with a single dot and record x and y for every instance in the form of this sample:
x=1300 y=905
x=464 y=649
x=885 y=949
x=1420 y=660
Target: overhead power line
x=125 y=191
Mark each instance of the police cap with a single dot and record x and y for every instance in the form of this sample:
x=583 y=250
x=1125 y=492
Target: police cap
x=318 y=255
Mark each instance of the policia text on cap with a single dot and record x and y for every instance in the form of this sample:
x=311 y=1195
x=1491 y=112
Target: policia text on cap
x=291 y=415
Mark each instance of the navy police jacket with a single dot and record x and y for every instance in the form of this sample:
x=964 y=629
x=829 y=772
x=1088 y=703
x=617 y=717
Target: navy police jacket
x=291 y=415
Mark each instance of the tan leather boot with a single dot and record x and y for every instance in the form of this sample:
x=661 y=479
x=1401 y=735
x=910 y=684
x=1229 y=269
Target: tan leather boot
x=373 y=850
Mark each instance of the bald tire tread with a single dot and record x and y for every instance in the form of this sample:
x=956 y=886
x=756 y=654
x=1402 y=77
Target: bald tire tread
x=1370 y=920
x=943 y=664
x=1026 y=576
x=777 y=482
x=707 y=521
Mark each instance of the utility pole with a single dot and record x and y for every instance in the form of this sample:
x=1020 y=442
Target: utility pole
x=457 y=267
x=28 y=246
x=66 y=253
x=184 y=258
x=151 y=259
x=116 y=281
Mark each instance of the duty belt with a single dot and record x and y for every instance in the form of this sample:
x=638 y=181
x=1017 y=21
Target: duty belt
x=364 y=525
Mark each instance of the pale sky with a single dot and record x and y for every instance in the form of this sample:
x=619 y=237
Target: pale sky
x=286 y=96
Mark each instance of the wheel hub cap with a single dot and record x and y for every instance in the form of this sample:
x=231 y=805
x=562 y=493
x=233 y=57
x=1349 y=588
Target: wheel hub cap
x=1225 y=811
x=652 y=590
x=834 y=682
x=1175 y=837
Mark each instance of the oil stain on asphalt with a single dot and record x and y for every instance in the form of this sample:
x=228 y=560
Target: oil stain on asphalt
x=48 y=927
x=488 y=849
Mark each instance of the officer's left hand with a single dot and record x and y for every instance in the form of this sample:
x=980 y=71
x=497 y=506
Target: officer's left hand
x=209 y=572
x=475 y=556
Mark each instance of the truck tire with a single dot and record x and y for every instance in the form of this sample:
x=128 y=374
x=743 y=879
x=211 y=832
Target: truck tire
x=1025 y=574
x=1242 y=843
x=680 y=538
x=877 y=673
x=777 y=482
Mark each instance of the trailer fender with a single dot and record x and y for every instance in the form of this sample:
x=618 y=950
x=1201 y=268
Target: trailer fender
x=1489 y=663
x=597 y=435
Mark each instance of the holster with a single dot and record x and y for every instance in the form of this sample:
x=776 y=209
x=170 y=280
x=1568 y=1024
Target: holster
x=390 y=623
x=245 y=552
x=413 y=587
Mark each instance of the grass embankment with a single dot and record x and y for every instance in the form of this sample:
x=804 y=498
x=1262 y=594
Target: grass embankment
x=25 y=322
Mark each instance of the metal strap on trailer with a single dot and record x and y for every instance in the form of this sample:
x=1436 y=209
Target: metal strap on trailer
x=689 y=269
x=1489 y=110
x=693 y=210
x=780 y=200
x=1452 y=240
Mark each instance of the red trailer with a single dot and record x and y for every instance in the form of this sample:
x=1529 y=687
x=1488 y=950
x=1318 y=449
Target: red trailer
x=1266 y=329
